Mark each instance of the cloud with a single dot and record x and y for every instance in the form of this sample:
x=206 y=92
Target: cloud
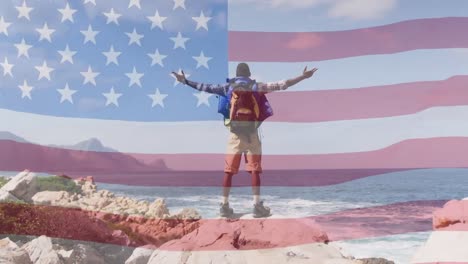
x=305 y=41
x=361 y=9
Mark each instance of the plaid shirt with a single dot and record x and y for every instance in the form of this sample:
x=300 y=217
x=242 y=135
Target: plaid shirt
x=222 y=89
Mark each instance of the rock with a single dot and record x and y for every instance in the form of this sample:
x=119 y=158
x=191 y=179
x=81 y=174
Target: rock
x=452 y=213
x=188 y=213
x=7 y=197
x=49 y=197
x=23 y=186
x=316 y=253
x=10 y=253
x=88 y=186
x=41 y=251
x=158 y=209
x=85 y=179
x=249 y=234
x=376 y=261
x=140 y=255
x=83 y=254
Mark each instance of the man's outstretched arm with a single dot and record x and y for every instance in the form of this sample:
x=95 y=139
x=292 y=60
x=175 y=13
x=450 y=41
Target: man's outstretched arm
x=203 y=87
x=283 y=85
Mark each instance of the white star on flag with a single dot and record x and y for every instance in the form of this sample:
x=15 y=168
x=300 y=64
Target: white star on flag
x=112 y=97
x=89 y=34
x=66 y=94
x=44 y=71
x=179 y=41
x=179 y=3
x=202 y=60
x=158 y=98
x=90 y=76
x=176 y=82
x=157 y=58
x=134 y=37
x=90 y=1
x=202 y=21
x=67 y=13
x=4 y=26
x=24 y=10
x=112 y=17
x=23 y=49
x=134 y=77
x=7 y=67
x=25 y=90
x=157 y=20
x=203 y=98
x=111 y=56
x=134 y=3
x=67 y=55
x=45 y=32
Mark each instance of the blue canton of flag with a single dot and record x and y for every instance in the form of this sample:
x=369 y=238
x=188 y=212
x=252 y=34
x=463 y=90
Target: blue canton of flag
x=111 y=59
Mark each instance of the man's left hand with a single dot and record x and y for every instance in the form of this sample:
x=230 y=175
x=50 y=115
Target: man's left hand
x=308 y=73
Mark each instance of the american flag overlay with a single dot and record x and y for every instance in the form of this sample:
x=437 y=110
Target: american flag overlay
x=86 y=89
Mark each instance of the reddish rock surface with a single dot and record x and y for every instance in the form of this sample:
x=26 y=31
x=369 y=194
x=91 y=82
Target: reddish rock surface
x=453 y=216
x=77 y=224
x=224 y=234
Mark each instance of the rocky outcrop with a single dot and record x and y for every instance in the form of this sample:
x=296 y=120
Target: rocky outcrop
x=249 y=234
x=10 y=253
x=46 y=250
x=92 y=199
x=454 y=213
x=188 y=213
x=317 y=253
x=250 y=241
x=108 y=218
x=49 y=197
x=23 y=186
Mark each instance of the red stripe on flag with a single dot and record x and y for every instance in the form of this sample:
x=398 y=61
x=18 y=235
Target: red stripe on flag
x=202 y=170
x=368 y=102
x=433 y=33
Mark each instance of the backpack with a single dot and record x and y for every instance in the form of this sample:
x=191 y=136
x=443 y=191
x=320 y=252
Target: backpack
x=243 y=108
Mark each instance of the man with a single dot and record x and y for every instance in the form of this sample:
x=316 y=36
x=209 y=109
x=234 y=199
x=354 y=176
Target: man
x=239 y=143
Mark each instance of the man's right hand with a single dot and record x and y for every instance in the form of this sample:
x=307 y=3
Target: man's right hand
x=180 y=76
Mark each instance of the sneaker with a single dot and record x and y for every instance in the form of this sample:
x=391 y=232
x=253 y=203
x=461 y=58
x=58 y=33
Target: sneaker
x=260 y=210
x=225 y=210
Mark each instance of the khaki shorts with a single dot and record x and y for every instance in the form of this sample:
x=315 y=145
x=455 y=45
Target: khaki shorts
x=238 y=145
